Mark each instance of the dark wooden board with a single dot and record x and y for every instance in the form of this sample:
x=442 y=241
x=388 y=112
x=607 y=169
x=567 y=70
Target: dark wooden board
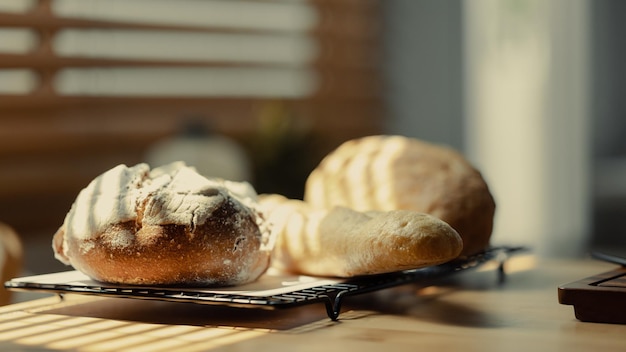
x=600 y=298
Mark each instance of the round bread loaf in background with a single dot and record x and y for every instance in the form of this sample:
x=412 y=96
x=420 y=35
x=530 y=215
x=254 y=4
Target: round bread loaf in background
x=395 y=172
x=165 y=226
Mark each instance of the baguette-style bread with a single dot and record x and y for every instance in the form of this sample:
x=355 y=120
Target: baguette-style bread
x=394 y=172
x=341 y=242
x=165 y=226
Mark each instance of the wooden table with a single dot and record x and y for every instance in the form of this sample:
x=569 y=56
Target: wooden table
x=467 y=312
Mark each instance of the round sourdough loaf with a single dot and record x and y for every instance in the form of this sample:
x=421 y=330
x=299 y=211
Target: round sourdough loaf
x=394 y=172
x=165 y=226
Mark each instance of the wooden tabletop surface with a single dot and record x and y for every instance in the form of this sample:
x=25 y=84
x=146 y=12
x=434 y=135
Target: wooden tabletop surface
x=468 y=312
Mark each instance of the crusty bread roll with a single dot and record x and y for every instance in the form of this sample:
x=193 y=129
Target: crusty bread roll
x=393 y=172
x=165 y=226
x=11 y=259
x=341 y=242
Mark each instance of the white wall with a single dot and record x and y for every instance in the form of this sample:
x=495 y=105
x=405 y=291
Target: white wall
x=507 y=83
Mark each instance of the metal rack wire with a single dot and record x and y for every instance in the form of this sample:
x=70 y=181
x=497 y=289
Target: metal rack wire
x=332 y=295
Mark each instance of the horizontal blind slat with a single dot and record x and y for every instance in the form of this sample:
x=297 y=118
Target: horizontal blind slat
x=358 y=26
x=366 y=64
x=287 y=16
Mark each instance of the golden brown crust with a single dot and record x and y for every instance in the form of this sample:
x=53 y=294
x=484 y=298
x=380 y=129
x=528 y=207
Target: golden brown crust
x=393 y=172
x=223 y=251
x=165 y=226
x=343 y=242
x=11 y=258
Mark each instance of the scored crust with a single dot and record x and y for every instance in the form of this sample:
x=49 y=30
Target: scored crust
x=215 y=240
x=394 y=172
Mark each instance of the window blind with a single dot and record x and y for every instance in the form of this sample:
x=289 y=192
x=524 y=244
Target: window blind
x=88 y=84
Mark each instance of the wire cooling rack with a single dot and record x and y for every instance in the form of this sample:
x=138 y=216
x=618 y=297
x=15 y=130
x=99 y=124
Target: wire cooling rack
x=331 y=292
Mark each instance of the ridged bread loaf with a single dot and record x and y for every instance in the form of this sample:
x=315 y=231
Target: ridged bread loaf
x=398 y=173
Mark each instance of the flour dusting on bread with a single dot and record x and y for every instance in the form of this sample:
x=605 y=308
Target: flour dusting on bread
x=135 y=209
